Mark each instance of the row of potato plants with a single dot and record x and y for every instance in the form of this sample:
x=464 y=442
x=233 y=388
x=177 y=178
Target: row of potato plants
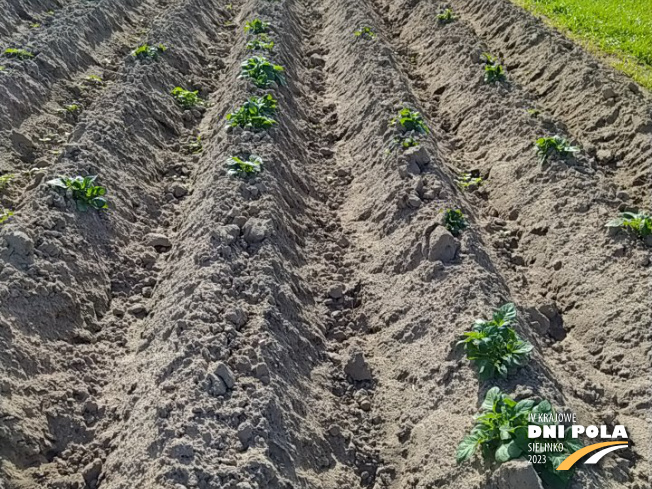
x=257 y=113
x=500 y=429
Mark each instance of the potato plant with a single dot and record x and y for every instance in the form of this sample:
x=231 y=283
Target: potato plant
x=637 y=223
x=94 y=80
x=455 y=221
x=254 y=114
x=534 y=113
x=404 y=141
x=494 y=347
x=82 y=190
x=256 y=26
x=17 y=53
x=365 y=33
x=147 y=51
x=409 y=120
x=185 y=98
x=73 y=108
x=500 y=431
x=261 y=72
x=5 y=215
x=237 y=167
x=5 y=180
x=469 y=179
x=195 y=146
x=548 y=146
x=493 y=70
x=261 y=42
x=446 y=16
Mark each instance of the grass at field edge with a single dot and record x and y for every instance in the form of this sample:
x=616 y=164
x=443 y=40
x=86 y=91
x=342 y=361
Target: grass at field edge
x=619 y=31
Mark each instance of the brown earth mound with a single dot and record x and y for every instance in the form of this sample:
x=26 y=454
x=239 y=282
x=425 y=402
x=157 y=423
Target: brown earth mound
x=298 y=329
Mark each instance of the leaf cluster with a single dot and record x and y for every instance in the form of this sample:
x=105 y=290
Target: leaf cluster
x=256 y=26
x=547 y=146
x=446 y=16
x=638 y=223
x=195 y=146
x=255 y=113
x=238 y=167
x=261 y=72
x=493 y=70
x=5 y=180
x=455 y=221
x=186 y=98
x=494 y=347
x=83 y=190
x=5 y=215
x=73 y=108
x=404 y=141
x=94 y=80
x=467 y=179
x=410 y=120
x=534 y=112
x=21 y=54
x=147 y=51
x=500 y=431
x=261 y=42
x=365 y=32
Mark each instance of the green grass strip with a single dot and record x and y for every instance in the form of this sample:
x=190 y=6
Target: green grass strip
x=620 y=29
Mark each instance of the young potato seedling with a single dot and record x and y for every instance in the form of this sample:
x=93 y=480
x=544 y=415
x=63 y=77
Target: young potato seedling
x=493 y=70
x=5 y=215
x=534 y=113
x=94 y=80
x=238 y=167
x=404 y=141
x=261 y=72
x=82 y=190
x=255 y=113
x=488 y=59
x=446 y=16
x=409 y=120
x=494 y=73
x=469 y=179
x=5 y=180
x=148 y=52
x=500 y=431
x=186 y=98
x=455 y=221
x=72 y=108
x=545 y=147
x=256 y=26
x=365 y=33
x=637 y=223
x=20 y=54
x=261 y=42
x=494 y=347
x=196 y=146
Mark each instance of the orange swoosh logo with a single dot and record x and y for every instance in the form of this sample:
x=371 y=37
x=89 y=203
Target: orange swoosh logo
x=574 y=457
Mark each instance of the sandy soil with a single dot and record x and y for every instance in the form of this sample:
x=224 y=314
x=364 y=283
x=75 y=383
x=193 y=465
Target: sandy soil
x=298 y=329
